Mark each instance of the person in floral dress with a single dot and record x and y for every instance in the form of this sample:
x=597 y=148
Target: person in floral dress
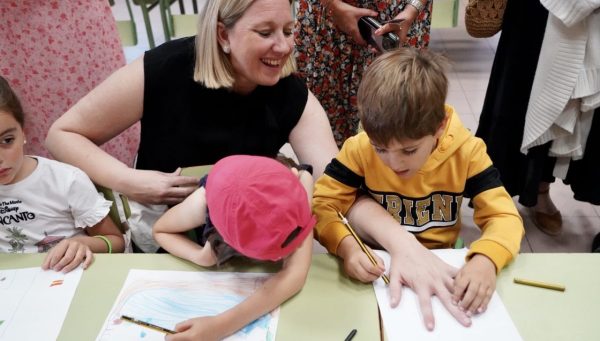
x=332 y=56
x=55 y=52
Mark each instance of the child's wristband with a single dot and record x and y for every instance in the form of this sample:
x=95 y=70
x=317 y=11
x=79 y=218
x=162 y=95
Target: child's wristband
x=107 y=241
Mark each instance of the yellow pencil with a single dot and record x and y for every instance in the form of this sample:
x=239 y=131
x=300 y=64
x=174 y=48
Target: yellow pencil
x=147 y=324
x=538 y=284
x=361 y=244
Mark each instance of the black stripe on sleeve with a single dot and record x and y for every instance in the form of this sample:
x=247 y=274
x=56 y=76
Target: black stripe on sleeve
x=488 y=179
x=343 y=174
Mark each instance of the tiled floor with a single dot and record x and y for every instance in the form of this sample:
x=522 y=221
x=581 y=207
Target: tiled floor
x=471 y=61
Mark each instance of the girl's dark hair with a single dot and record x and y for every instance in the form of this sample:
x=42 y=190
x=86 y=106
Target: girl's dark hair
x=9 y=102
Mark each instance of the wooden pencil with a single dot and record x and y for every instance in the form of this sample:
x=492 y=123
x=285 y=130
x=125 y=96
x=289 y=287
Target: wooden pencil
x=362 y=245
x=147 y=324
x=557 y=287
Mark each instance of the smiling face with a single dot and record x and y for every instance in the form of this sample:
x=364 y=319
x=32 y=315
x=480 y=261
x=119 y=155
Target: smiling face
x=259 y=43
x=11 y=150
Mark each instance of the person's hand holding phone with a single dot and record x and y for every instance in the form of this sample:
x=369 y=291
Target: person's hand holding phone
x=345 y=17
x=379 y=43
x=400 y=24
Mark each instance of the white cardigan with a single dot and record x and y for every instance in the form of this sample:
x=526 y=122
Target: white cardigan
x=566 y=88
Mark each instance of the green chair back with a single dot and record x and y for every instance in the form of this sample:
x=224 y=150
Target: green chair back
x=127 y=28
x=114 y=210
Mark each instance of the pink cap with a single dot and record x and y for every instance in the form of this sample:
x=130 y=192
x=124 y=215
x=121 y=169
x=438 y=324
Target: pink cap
x=258 y=206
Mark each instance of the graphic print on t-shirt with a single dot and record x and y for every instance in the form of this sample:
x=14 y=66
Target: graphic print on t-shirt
x=10 y=217
x=14 y=221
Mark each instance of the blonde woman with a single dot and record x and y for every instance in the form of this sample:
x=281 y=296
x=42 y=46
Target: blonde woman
x=230 y=90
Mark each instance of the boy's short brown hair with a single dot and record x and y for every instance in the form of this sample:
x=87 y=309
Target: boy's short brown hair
x=402 y=95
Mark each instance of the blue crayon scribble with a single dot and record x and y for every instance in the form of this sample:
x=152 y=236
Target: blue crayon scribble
x=165 y=307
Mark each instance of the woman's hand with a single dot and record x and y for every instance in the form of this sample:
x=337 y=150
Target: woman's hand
x=67 y=255
x=154 y=187
x=345 y=17
x=416 y=267
x=400 y=24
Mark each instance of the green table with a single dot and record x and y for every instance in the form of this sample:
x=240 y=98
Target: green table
x=323 y=310
x=542 y=314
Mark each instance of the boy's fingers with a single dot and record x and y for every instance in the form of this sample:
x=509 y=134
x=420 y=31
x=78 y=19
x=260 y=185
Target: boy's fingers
x=362 y=271
x=482 y=296
x=454 y=310
x=379 y=260
x=477 y=300
x=460 y=285
x=469 y=297
x=371 y=268
x=483 y=307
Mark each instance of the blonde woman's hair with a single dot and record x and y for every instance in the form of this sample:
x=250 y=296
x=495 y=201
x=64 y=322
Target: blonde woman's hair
x=213 y=68
x=402 y=95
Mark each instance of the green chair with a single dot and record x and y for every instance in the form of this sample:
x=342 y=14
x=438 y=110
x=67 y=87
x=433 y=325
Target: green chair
x=146 y=6
x=179 y=25
x=114 y=210
x=127 y=28
x=460 y=243
x=444 y=13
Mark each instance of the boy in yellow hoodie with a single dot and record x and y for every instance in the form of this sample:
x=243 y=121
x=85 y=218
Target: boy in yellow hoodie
x=417 y=160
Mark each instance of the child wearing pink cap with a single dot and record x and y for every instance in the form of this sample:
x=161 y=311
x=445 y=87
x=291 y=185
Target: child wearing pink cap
x=251 y=206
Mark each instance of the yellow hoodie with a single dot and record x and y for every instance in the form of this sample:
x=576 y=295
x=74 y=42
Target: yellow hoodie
x=428 y=204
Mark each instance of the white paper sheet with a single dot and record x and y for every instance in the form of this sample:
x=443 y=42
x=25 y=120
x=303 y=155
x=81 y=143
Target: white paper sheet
x=405 y=322
x=34 y=302
x=165 y=298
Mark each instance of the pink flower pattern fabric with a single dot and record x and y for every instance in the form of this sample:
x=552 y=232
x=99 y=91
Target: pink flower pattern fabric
x=53 y=53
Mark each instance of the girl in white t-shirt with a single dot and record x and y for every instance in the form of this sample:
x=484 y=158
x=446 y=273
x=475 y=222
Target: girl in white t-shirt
x=45 y=205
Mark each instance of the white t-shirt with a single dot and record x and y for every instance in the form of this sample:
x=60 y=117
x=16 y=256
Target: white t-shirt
x=56 y=201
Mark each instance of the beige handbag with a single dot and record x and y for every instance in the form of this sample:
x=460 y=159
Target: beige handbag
x=483 y=18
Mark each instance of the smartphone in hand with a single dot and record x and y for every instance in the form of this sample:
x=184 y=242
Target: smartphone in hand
x=385 y=42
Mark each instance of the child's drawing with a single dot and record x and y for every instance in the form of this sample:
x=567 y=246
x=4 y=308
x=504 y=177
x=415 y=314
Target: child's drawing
x=165 y=298
x=28 y=296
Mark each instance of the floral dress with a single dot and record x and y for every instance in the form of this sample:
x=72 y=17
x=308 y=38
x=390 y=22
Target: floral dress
x=333 y=64
x=54 y=52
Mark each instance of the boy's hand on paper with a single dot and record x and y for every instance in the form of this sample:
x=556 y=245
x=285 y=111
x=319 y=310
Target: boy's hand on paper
x=345 y=17
x=475 y=284
x=199 y=328
x=154 y=187
x=67 y=255
x=415 y=266
x=356 y=263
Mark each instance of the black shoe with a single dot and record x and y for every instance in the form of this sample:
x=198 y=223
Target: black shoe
x=596 y=244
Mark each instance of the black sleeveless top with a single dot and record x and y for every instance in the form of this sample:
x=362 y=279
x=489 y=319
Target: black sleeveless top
x=185 y=124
